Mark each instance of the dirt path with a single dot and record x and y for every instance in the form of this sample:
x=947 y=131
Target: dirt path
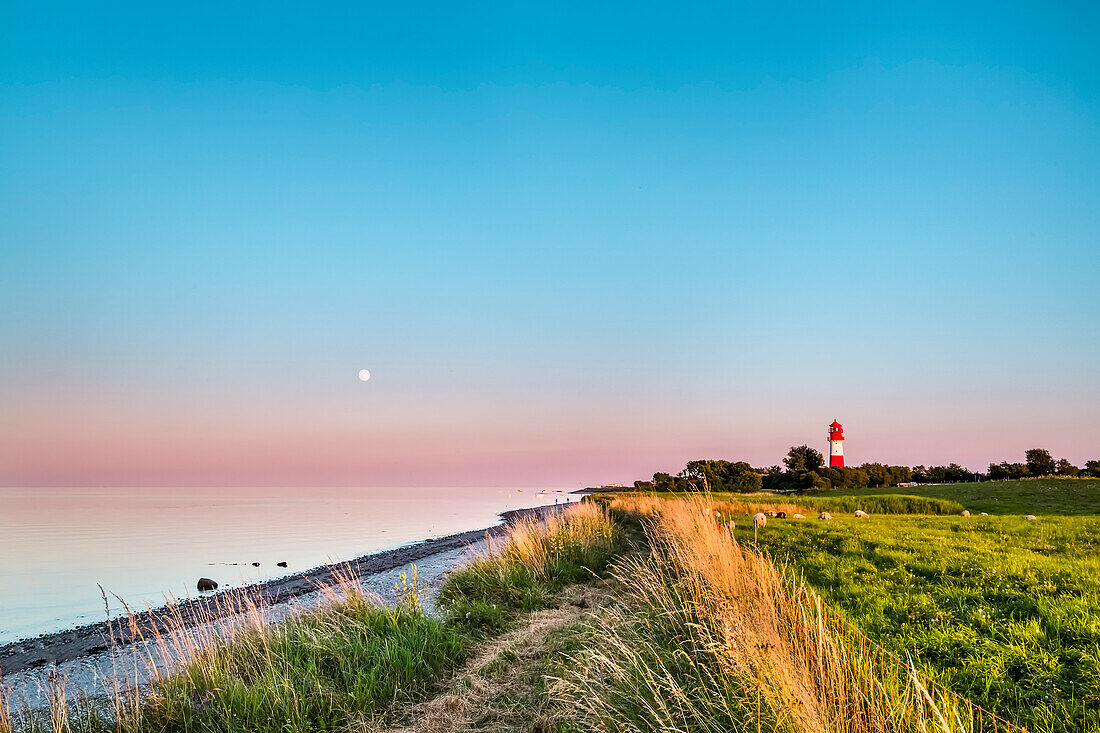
x=502 y=688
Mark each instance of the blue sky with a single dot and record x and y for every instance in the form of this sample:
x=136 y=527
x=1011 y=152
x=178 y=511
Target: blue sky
x=573 y=245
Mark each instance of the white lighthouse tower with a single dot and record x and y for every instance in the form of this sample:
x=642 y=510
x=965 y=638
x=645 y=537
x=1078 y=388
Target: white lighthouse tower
x=836 y=445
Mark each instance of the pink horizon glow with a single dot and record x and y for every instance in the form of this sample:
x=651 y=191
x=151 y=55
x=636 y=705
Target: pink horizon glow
x=484 y=454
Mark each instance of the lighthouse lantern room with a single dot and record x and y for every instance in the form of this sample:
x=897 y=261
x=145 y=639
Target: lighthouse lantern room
x=836 y=444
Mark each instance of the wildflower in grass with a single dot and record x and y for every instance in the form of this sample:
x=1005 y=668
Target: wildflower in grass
x=410 y=594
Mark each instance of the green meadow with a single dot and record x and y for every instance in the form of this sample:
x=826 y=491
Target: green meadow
x=1001 y=609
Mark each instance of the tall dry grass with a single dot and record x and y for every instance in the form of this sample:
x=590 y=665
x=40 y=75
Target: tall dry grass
x=647 y=504
x=536 y=558
x=539 y=544
x=711 y=636
x=5 y=709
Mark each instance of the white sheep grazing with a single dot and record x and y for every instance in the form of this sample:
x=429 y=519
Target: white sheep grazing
x=730 y=525
x=824 y=515
x=985 y=514
x=798 y=516
x=770 y=513
x=1031 y=517
x=965 y=513
x=860 y=514
x=759 y=520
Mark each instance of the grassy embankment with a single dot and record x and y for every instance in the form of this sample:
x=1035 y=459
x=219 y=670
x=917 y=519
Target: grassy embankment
x=711 y=636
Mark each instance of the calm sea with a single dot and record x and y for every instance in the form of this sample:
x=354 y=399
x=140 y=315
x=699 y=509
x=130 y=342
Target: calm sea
x=56 y=545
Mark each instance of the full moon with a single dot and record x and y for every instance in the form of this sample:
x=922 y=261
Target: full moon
x=364 y=375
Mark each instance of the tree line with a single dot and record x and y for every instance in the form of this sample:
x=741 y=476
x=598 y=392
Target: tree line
x=804 y=469
x=1039 y=462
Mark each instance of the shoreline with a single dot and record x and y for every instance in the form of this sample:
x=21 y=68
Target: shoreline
x=68 y=645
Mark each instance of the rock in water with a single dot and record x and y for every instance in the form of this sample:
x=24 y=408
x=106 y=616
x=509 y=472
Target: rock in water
x=281 y=564
x=207 y=584
x=255 y=564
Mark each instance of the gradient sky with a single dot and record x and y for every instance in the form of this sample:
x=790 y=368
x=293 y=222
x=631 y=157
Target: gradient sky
x=573 y=244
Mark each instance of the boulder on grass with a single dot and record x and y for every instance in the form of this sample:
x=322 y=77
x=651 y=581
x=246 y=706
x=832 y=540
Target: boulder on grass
x=798 y=516
x=206 y=584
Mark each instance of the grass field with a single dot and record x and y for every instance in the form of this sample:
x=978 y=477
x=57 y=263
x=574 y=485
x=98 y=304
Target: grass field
x=875 y=502
x=1057 y=496
x=1003 y=610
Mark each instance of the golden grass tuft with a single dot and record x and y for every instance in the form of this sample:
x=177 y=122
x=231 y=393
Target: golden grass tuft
x=650 y=506
x=534 y=543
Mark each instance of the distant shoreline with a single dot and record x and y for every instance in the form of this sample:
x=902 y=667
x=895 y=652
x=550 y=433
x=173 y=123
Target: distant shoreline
x=67 y=645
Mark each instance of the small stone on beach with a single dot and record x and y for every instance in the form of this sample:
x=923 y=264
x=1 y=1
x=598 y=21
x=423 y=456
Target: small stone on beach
x=281 y=564
x=206 y=584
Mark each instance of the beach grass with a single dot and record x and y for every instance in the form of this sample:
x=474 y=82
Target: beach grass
x=536 y=559
x=334 y=667
x=328 y=670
